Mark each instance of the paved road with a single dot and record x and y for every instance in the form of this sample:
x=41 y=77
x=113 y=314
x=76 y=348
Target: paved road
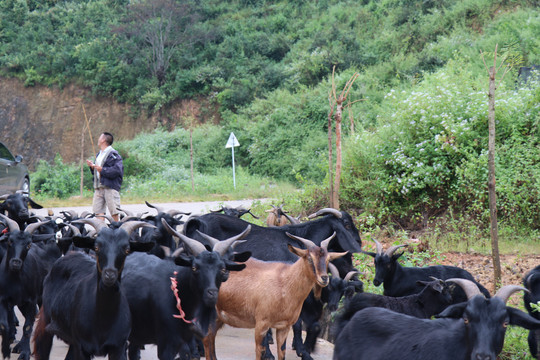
x=231 y=343
x=193 y=207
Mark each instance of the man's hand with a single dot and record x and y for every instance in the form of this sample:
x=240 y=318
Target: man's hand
x=90 y=163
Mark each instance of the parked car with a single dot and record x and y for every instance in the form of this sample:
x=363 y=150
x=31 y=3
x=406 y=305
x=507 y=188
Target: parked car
x=13 y=173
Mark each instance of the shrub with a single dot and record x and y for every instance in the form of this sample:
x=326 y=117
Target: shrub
x=58 y=180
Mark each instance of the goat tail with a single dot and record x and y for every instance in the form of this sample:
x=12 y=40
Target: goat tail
x=42 y=339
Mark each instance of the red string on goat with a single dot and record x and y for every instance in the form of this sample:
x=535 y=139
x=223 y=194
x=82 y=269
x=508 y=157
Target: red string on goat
x=5 y=231
x=174 y=288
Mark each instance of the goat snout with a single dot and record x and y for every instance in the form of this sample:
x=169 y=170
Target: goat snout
x=324 y=280
x=483 y=357
x=376 y=282
x=109 y=276
x=212 y=294
x=15 y=264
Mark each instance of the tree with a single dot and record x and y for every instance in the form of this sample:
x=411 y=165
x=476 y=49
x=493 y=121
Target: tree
x=159 y=27
x=492 y=72
x=338 y=101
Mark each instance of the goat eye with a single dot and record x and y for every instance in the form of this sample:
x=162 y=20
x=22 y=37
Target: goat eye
x=127 y=251
x=29 y=246
x=96 y=249
x=194 y=269
x=505 y=324
x=466 y=321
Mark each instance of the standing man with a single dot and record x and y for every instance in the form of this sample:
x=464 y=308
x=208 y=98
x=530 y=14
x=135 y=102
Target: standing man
x=108 y=172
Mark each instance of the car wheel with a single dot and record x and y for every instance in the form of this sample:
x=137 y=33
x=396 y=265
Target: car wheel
x=26 y=187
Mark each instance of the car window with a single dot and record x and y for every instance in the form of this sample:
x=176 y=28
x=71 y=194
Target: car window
x=5 y=154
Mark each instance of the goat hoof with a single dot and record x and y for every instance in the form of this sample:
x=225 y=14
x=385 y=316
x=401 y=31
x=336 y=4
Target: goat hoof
x=24 y=356
x=16 y=349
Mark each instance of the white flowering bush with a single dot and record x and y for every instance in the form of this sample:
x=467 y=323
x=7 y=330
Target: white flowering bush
x=429 y=150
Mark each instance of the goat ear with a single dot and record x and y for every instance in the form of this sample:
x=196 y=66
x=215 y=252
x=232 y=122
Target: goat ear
x=232 y=266
x=241 y=257
x=141 y=246
x=34 y=204
x=84 y=242
x=297 y=251
x=453 y=311
x=183 y=260
x=372 y=254
x=520 y=318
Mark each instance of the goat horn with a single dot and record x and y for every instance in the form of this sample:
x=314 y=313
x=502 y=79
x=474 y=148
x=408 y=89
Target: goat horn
x=505 y=292
x=72 y=213
x=85 y=214
x=306 y=242
x=130 y=226
x=212 y=240
x=4 y=197
x=95 y=223
x=173 y=212
x=393 y=249
x=129 y=218
x=12 y=224
x=74 y=229
x=30 y=228
x=127 y=212
x=194 y=246
x=379 y=247
x=291 y=219
x=326 y=242
x=528 y=280
x=470 y=288
x=350 y=275
x=325 y=211
x=224 y=245
x=333 y=270
x=158 y=208
x=216 y=211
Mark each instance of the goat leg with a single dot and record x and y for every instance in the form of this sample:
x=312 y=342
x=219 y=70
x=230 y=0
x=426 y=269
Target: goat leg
x=281 y=339
x=311 y=336
x=29 y=311
x=262 y=349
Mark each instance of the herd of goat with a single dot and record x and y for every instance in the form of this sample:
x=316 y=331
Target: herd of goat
x=110 y=288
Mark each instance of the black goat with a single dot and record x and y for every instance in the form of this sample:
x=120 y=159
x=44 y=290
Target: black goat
x=402 y=281
x=270 y=243
x=313 y=310
x=433 y=299
x=236 y=212
x=474 y=329
x=532 y=282
x=82 y=299
x=22 y=270
x=159 y=235
x=197 y=279
x=16 y=206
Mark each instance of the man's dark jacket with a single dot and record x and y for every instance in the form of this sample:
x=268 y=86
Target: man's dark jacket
x=112 y=172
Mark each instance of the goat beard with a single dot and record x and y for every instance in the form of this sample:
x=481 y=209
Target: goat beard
x=201 y=324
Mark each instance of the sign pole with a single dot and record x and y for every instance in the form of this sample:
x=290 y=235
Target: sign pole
x=232 y=143
x=233 y=172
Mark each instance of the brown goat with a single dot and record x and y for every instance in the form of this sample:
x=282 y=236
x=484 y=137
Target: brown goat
x=270 y=295
x=279 y=217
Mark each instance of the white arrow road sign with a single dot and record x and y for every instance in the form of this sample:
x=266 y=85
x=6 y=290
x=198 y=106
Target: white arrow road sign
x=232 y=142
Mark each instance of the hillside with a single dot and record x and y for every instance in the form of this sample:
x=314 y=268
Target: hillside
x=415 y=135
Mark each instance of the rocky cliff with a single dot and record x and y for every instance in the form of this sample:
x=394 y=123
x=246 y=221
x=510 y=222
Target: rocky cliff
x=39 y=122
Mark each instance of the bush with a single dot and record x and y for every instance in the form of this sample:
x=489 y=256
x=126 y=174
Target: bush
x=59 y=180
x=430 y=151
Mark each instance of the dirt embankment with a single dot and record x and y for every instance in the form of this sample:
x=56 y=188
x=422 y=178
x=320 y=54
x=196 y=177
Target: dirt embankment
x=39 y=122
